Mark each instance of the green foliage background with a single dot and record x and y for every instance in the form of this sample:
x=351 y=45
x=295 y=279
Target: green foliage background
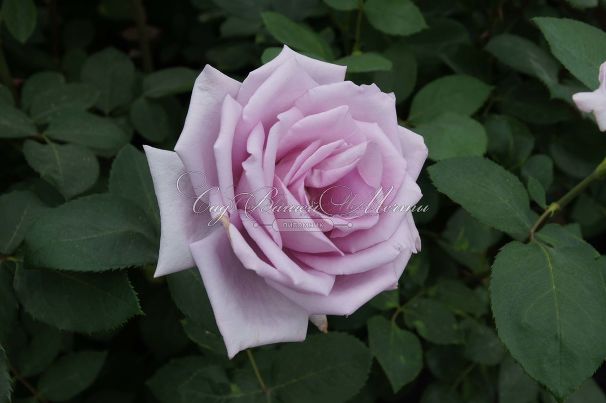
x=506 y=302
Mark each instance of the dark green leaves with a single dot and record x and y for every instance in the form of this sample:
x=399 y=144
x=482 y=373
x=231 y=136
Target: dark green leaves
x=394 y=17
x=458 y=93
x=174 y=80
x=70 y=168
x=432 y=320
x=498 y=198
x=70 y=375
x=564 y=37
x=167 y=381
x=14 y=123
x=524 y=56
x=18 y=210
x=95 y=233
x=79 y=302
x=113 y=74
x=398 y=351
x=453 y=135
x=548 y=299
x=83 y=128
x=329 y=368
x=150 y=119
x=365 y=62
x=19 y=17
x=298 y=36
x=62 y=98
x=130 y=179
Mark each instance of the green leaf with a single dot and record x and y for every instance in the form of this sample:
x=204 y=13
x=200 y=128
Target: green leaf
x=589 y=392
x=582 y=4
x=165 y=384
x=44 y=344
x=189 y=295
x=94 y=233
x=540 y=167
x=6 y=388
x=398 y=351
x=510 y=141
x=39 y=83
x=459 y=298
x=150 y=119
x=329 y=368
x=269 y=54
x=296 y=35
x=130 y=178
x=452 y=135
x=549 y=299
x=15 y=124
x=365 y=63
x=59 y=99
x=112 y=73
x=515 y=385
x=467 y=234
x=432 y=320
x=70 y=168
x=498 y=200
x=170 y=81
x=208 y=339
x=536 y=191
x=248 y=9
x=71 y=375
x=343 y=5
x=403 y=76
x=565 y=35
x=83 y=128
x=524 y=56
x=457 y=93
x=482 y=345
x=19 y=17
x=18 y=210
x=80 y=302
x=394 y=17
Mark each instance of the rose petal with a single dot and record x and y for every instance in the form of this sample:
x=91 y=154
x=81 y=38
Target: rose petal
x=321 y=72
x=364 y=260
x=248 y=312
x=179 y=223
x=414 y=151
x=350 y=292
x=366 y=103
x=312 y=281
x=225 y=146
x=201 y=127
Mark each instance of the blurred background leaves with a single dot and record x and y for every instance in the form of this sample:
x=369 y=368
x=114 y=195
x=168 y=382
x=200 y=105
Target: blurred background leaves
x=488 y=83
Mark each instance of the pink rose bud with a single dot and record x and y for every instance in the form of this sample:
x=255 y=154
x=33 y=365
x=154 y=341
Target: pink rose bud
x=595 y=101
x=291 y=193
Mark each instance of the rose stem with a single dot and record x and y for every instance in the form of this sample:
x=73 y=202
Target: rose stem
x=141 y=21
x=598 y=173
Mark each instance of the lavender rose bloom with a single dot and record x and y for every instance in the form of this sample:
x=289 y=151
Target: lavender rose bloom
x=313 y=173
x=594 y=101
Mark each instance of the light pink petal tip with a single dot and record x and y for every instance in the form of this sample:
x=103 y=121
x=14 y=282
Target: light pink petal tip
x=180 y=225
x=248 y=312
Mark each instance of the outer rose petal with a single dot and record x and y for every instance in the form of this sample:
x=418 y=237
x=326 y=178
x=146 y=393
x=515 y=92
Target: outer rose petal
x=248 y=312
x=201 y=126
x=414 y=151
x=180 y=224
x=350 y=292
x=322 y=72
x=594 y=101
